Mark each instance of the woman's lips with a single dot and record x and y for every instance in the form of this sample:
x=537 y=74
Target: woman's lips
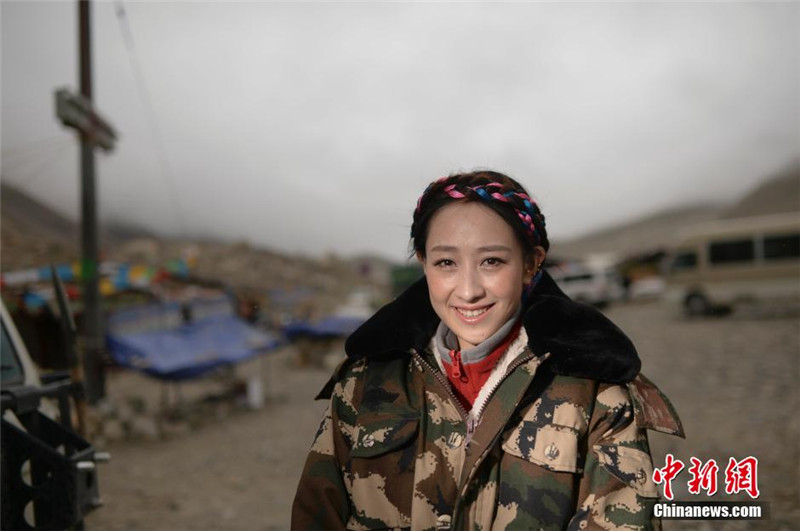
x=472 y=316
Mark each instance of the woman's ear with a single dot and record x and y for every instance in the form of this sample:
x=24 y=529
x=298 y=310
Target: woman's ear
x=420 y=259
x=534 y=263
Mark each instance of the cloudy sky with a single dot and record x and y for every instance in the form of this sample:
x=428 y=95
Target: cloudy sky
x=312 y=127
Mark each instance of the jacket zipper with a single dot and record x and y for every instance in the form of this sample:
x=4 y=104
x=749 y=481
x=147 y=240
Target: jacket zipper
x=458 y=366
x=437 y=375
x=463 y=412
x=494 y=388
x=511 y=368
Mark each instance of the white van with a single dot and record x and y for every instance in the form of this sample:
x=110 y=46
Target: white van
x=590 y=281
x=716 y=265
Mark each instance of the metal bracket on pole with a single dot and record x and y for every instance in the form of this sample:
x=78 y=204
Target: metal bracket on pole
x=76 y=111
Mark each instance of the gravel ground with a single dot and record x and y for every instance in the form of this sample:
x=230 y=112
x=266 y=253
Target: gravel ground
x=734 y=381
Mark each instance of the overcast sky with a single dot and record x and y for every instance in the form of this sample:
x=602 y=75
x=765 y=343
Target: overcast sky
x=311 y=127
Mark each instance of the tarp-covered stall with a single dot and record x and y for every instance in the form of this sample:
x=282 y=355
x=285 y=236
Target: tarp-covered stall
x=174 y=341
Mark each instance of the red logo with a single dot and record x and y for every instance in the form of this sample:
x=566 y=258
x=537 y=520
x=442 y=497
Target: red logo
x=703 y=477
x=742 y=476
x=667 y=474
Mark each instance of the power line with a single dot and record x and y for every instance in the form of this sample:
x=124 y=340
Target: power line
x=147 y=101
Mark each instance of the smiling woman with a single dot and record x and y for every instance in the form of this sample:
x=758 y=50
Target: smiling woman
x=483 y=397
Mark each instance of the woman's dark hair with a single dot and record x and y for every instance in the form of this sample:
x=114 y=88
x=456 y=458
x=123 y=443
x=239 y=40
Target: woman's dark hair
x=501 y=193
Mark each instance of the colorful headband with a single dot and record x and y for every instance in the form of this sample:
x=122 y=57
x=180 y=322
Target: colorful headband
x=528 y=214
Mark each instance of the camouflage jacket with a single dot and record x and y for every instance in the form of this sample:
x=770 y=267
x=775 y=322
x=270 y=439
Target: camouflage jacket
x=561 y=443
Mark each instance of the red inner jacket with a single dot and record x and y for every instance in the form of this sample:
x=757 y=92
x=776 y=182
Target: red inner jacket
x=468 y=379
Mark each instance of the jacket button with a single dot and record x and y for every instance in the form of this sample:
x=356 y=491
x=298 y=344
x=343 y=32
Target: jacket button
x=368 y=441
x=641 y=477
x=551 y=452
x=443 y=522
x=455 y=440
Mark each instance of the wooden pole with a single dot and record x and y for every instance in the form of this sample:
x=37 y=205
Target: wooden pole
x=93 y=337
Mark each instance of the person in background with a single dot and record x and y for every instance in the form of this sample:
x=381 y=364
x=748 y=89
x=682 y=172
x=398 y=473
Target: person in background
x=483 y=397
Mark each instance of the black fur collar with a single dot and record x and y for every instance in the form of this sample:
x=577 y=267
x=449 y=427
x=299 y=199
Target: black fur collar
x=582 y=341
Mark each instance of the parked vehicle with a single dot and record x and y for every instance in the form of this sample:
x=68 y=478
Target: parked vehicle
x=17 y=367
x=49 y=476
x=717 y=265
x=589 y=281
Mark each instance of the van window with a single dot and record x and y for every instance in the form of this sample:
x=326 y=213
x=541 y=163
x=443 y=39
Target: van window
x=731 y=251
x=685 y=260
x=575 y=278
x=11 y=368
x=782 y=246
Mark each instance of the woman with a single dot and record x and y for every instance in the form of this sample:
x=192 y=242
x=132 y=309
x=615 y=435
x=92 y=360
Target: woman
x=483 y=397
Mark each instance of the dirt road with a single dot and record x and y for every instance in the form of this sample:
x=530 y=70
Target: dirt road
x=733 y=380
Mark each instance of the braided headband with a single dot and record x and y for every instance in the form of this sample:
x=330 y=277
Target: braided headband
x=490 y=192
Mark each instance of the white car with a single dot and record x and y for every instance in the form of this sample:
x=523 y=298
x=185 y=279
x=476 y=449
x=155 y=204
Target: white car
x=588 y=283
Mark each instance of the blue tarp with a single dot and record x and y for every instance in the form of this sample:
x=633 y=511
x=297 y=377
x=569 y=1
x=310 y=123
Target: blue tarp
x=334 y=326
x=183 y=351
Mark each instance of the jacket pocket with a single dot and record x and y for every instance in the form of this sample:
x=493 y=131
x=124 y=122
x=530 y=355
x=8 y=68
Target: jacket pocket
x=631 y=466
x=380 y=433
x=538 y=471
x=379 y=474
x=550 y=446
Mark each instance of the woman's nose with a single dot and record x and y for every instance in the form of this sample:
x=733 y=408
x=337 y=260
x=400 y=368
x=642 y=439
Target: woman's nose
x=469 y=286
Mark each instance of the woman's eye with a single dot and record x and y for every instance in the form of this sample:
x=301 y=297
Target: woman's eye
x=494 y=261
x=445 y=262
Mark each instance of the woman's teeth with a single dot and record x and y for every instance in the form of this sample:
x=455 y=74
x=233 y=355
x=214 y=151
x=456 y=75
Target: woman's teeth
x=472 y=313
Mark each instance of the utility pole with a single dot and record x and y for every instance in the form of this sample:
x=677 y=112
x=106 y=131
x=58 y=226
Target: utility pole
x=77 y=111
x=93 y=328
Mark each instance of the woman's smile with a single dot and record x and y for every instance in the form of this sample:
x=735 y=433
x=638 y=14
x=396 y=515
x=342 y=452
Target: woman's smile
x=472 y=316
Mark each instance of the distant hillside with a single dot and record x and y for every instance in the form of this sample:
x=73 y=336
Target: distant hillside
x=777 y=193
x=32 y=234
x=636 y=236
x=781 y=193
x=20 y=208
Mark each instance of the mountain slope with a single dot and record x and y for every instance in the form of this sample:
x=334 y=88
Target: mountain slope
x=638 y=236
x=781 y=193
x=33 y=235
x=776 y=194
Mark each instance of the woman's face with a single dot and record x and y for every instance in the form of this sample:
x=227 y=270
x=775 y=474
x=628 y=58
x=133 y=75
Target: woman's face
x=476 y=270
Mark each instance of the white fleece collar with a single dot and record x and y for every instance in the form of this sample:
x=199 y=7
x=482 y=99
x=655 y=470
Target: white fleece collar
x=495 y=378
